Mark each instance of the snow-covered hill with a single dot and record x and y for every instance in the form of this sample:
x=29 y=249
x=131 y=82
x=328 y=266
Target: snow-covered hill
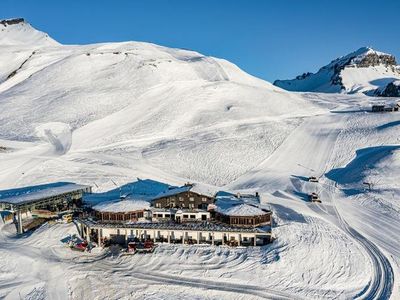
x=363 y=71
x=156 y=101
x=113 y=112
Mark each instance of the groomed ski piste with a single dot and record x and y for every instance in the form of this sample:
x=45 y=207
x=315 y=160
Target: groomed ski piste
x=98 y=118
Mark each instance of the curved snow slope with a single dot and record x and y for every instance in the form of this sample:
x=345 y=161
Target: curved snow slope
x=362 y=167
x=367 y=80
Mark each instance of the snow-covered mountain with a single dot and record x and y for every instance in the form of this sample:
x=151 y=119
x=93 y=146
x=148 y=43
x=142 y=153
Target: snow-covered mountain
x=162 y=101
x=108 y=114
x=363 y=71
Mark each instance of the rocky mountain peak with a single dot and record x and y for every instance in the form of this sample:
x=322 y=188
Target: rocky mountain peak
x=18 y=31
x=14 y=21
x=364 y=70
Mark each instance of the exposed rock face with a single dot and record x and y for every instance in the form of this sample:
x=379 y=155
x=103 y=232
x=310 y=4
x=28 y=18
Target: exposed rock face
x=363 y=70
x=302 y=76
x=374 y=59
x=391 y=90
x=367 y=59
x=12 y=21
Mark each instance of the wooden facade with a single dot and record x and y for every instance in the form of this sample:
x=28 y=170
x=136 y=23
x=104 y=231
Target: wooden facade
x=119 y=217
x=245 y=221
x=183 y=200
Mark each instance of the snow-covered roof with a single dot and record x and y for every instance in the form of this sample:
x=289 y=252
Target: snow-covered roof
x=29 y=194
x=125 y=205
x=195 y=188
x=233 y=206
x=241 y=210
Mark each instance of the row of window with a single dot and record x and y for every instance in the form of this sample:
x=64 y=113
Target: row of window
x=181 y=199
x=120 y=217
x=162 y=216
x=172 y=205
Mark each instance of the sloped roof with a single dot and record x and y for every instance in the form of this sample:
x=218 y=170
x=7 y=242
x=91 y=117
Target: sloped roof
x=30 y=194
x=126 y=205
x=241 y=210
x=233 y=206
x=195 y=188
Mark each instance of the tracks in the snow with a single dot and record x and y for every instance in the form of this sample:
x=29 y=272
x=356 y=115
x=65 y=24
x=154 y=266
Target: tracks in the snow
x=381 y=285
x=121 y=269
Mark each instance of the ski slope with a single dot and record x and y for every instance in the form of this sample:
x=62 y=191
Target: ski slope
x=95 y=114
x=308 y=151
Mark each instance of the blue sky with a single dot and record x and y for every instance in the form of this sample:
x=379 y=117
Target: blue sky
x=269 y=39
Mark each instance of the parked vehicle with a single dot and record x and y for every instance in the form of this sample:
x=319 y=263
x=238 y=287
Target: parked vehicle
x=233 y=243
x=79 y=246
x=67 y=218
x=147 y=247
x=312 y=179
x=131 y=248
x=313 y=197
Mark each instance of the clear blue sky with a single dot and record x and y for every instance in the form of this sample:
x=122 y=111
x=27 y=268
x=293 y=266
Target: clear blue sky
x=269 y=39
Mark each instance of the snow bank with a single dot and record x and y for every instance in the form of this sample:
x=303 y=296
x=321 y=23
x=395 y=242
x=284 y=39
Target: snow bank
x=57 y=134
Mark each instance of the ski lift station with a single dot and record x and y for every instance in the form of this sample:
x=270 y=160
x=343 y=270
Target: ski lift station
x=56 y=197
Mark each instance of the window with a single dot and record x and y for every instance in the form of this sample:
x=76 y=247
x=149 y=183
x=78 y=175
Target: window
x=193 y=216
x=180 y=198
x=204 y=199
x=204 y=217
x=185 y=216
x=191 y=205
x=158 y=204
x=167 y=215
x=191 y=199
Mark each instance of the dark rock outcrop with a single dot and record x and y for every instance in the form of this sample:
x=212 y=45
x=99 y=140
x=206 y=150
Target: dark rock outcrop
x=12 y=21
x=374 y=59
x=391 y=90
